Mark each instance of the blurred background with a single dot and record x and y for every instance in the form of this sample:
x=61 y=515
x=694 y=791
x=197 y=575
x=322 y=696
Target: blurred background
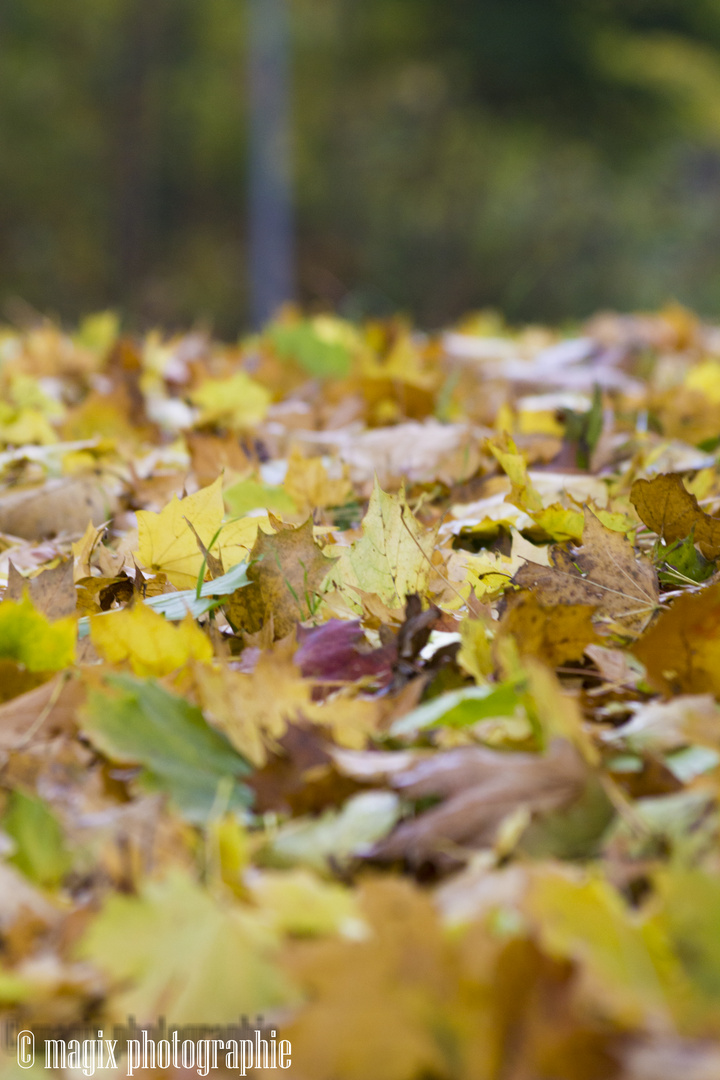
x=544 y=157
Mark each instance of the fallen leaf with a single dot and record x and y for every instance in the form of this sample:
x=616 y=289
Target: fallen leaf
x=467 y=707
x=300 y=777
x=165 y=543
x=482 y=787
x=30 y=639
x=392 y=559
x=667 y=507
x=627 y=966
x=40 y=714
x=604 y=572
x=681 y=650
x=336 y=836
x=405 y=966
x=298 y=902
x=52 y=591
x=57 y=506
x=287 y=570
x=238 y=401
x=556 y=635
x=247 y=495
x=309 y=486
x=150 y=643
x=83 y=549
x=40 y=851
x=475 y=653
x=175 y=950
x=211 y=454
x=253 y=710
x=138 y=722
x=320 y=345
x=666 y=725
x=337 y=651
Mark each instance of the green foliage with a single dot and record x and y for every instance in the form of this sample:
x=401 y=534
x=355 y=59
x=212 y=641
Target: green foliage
x=40 y=850
x=462 y=708
x=544 y=157
x=585 y=429
x=681 y=562
x=249 y=495
x=302 y=343
x=142 y=723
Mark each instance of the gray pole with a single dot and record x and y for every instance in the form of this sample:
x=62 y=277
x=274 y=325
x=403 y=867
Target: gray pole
x=271 y=255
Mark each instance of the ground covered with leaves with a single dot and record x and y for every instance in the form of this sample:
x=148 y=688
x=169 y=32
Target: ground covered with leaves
x=367 y=682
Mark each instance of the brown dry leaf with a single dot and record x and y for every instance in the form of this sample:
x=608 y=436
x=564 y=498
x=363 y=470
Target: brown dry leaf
x=52 y=591
x=481 y=787
x=57 y=506
x=83 y=550
x=406 y=969
x=681 y=651
x=603 y=572
x=308 y=484
x=414 y=452
x=614 y=667
x=254 y=710
x=287 y=570
x=40 y=714
x=555 y=635
x=96 y=594
x=301 y=777
x=213 y=562
x=16 y=679
x=18 y=899
x=211 y=454
x=667 y=507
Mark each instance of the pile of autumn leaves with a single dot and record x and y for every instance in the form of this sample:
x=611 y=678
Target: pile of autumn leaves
x=367 y=681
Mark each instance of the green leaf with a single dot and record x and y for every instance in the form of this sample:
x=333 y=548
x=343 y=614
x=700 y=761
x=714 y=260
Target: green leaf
x=337 y=835
x=461 y=708
x=576 y=831
x=682 y=560
x=392 y=558
x=40 y=851
x=142 y=723
x=302 y=343
x=177 y=950
x=249 y=495
x=691 y=913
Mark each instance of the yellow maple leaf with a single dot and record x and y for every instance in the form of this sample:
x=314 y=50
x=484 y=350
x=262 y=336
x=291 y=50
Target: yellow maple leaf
x=308 y=483
x=175 y=948
x=274 y=695
x=237 y=538
x=167 y=543
x=147 y=641
x=238 y=401
x=392 y=559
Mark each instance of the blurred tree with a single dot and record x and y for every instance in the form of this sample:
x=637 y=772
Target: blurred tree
x=544 y=156
x=271 y=255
